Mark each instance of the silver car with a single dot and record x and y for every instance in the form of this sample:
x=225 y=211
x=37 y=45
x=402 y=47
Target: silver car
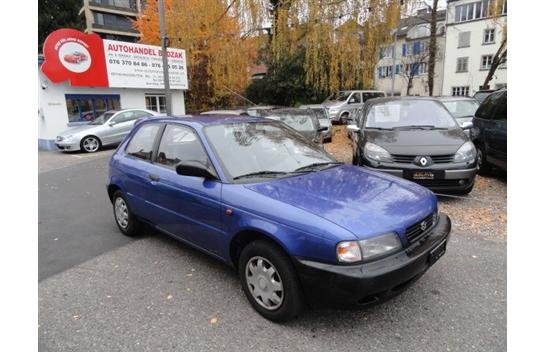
x=340 y=105
x=323 y=118
x=462 y=109
x=108 y=129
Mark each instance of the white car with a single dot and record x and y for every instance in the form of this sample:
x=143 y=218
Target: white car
x=110 y=128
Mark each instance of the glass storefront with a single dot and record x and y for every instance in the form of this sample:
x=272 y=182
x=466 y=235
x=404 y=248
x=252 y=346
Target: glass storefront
x=87 y=107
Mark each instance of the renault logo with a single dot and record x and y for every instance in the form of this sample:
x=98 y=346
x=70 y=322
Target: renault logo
x=423 y=226
x=423 y=161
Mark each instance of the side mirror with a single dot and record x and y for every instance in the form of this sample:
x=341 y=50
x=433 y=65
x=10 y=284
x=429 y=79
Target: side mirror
x=467 y=125
x=353 y=128
x=322 y=128
x=195 y=169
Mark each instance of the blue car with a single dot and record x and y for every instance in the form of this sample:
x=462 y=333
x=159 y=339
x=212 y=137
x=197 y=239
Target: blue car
x=298 y=226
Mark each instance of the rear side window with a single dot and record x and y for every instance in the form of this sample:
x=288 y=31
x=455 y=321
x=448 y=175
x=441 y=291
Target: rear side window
x=487 y=107
x=180 y=143
x=367 y=96
x=141 y=144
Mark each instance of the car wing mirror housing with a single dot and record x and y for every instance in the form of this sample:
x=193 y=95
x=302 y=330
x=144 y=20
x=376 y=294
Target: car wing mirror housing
x=195 y=169
x=353 y=128
x=467 y=125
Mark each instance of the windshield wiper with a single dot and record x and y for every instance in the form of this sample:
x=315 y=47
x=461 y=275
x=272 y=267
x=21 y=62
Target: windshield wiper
x=315 y=165
x=265 y=173
x=420 y=127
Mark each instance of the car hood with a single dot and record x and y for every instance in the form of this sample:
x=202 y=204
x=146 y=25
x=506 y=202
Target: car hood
x=79 y=129
x=364 y=202
x=418 y=142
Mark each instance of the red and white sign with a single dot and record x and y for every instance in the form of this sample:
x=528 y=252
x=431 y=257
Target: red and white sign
x=87 y=60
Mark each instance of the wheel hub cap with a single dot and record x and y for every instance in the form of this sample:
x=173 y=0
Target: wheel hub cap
x=264 y=283
x=121 y=212
x=90 y=144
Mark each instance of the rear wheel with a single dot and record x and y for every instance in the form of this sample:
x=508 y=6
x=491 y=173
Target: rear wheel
x=124 y=218
x=270 y=282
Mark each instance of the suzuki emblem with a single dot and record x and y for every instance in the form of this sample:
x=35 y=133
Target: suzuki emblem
x=423 y=226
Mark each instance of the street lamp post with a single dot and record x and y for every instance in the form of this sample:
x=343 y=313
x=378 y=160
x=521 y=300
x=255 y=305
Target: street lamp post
x=164 y=45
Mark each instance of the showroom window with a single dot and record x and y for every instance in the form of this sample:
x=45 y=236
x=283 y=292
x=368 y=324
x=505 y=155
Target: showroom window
x=156 y=103
x=87 y=107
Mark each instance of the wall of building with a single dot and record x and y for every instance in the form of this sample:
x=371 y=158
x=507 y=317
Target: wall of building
x=53 y=113
x=474 y=77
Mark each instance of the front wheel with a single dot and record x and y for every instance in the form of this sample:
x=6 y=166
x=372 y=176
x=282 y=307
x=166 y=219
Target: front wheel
x=270 y=282
x=483 y=167
x=90 y=144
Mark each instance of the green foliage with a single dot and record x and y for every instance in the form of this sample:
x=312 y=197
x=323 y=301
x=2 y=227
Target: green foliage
x=285 y=84
x=55 y=14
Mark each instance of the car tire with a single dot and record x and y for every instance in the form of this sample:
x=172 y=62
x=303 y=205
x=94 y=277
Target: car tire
x=343 y=119
x=124 y=218
x=90 y=144
x=483 y=167
x=261 y=283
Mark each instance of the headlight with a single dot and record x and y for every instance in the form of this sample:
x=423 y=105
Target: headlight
x=466 y=153
x=348 y=252
x=380 y=246
x=376 y=153
x=355 y=251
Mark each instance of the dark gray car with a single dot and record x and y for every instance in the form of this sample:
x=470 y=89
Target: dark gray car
x=417 y=139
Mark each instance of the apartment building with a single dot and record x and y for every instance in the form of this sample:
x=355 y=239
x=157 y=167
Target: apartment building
x=472 y=39
x=411 y=57
x=111 y=19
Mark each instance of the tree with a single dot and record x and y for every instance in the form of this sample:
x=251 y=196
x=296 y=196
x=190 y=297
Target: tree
x=500 y=57
x=432 y=47
x=218 y=55
x=411 y=64
x=55 y=14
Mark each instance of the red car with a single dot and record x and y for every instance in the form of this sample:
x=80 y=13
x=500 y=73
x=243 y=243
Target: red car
x=75 y=58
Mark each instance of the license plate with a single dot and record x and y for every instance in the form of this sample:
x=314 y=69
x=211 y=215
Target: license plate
x=437 y=253
x=424 y=175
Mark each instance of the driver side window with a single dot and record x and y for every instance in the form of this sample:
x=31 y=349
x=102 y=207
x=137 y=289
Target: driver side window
x=124 y=117
x=180 y=143
x=355 y=98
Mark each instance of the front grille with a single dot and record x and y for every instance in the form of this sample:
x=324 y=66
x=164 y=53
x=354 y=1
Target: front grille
x=414 y=231
x=409 y=159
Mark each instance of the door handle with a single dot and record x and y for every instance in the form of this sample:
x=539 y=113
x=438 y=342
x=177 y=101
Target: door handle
x=154 y=177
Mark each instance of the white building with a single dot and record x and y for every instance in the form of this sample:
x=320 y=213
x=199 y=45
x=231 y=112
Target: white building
x=472 y=39
x=411 y=57
x=62 y=106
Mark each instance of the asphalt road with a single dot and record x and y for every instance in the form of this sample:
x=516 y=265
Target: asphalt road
x=100 y=291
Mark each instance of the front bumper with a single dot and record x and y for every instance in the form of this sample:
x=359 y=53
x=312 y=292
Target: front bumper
x=68 y=146
x=374 y=282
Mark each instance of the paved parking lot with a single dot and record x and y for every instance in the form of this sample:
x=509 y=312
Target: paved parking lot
x=100 y=291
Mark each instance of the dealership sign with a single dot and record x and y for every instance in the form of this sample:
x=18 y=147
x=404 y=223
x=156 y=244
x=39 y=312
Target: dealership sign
x=88 y=61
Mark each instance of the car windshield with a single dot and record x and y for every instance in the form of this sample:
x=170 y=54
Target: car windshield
x=266 y=149
x=461 y=108
x=101 y=120
x=320 y=112
x=409 y=114
x=300 y=121
x=339 y=96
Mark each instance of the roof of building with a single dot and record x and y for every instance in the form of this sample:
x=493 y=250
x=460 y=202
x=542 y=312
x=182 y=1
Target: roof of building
x=422 y=17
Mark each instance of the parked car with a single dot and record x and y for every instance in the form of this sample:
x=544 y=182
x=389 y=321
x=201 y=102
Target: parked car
x=108 y=129
x=324 y=120
x=417 y=139
x=296 y=224
x=481 y=95
x=340 y=105
x=490 y=132
x=258 y=110
x=75 y=58
x=240 y=112
x=462 y=109
x=303 y=121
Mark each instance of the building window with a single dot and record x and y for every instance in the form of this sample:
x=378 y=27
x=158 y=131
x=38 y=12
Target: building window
x=87 y=107
x=464 y=39
x=156 y=103
x=472 y=11
x=460 y=91
x=486 y=62
x=461 y=64
x=423 y=68
x=489 y=36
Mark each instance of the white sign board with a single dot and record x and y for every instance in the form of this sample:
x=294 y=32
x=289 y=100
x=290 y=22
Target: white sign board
x=133 y=65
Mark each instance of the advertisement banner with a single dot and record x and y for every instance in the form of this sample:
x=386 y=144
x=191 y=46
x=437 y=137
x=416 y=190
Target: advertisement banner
x=85 y=60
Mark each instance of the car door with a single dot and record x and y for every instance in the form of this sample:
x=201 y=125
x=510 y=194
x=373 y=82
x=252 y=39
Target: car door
x=497 y=133
x=484 y=125
x=135 y=162
x=185 y=206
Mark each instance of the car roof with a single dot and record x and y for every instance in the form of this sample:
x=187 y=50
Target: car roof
x=455 y=98
x=224 y=112
x=205 y=120
x=390 y=99
x=312 y=106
